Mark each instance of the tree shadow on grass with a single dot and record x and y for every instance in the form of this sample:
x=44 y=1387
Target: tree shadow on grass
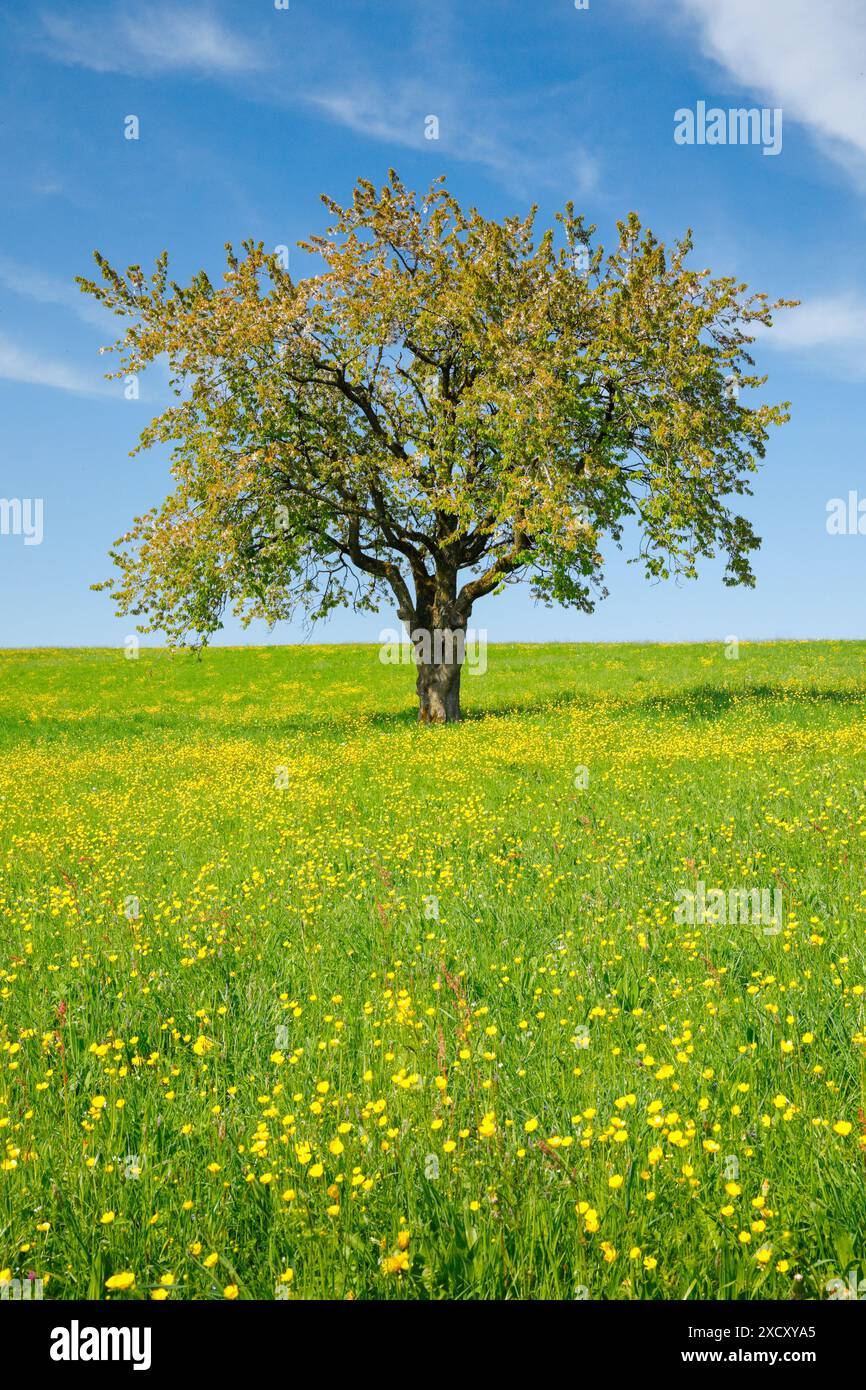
x=698 y=702
x=711 y=702
x=704 y=701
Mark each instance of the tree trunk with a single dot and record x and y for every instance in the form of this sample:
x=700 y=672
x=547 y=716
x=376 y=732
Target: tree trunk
x=438 y=689
x=437 y=631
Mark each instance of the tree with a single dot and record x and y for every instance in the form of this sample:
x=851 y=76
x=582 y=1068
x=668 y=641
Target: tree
x=452 y=405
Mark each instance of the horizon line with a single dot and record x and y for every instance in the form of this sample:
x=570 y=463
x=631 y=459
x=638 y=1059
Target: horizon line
x=191 y=648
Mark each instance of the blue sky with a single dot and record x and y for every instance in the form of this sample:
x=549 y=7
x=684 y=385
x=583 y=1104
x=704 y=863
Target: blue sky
x=248 y=112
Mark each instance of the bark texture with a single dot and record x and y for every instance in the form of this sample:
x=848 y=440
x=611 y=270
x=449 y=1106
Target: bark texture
x=438 y=687
x=438 y=634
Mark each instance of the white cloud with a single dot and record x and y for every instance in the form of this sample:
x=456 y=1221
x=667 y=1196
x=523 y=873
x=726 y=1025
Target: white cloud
x=160 y=39
x=829 y=329
x=36 y=369
x=806 y=57
x=44 y=288
x=522 y=134
x=515 y=145
x=360 y=84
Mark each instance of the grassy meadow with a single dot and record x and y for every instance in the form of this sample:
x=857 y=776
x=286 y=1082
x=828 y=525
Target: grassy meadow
x=300 y=1000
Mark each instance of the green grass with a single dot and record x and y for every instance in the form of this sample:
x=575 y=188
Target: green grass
x=251 y=913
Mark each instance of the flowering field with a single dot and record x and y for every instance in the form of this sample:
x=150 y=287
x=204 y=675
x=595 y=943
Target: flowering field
x=298 y=999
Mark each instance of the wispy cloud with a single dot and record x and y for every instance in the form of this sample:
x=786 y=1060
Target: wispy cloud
x=45 y=288
x=515 y=145
x=829 y=330
x=36 y=369
x=148 y=41
x=368 y=85
x=387 y=90
x=807 y=58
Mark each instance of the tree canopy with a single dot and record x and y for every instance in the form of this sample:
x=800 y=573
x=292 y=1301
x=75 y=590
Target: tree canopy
x=450 y=405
